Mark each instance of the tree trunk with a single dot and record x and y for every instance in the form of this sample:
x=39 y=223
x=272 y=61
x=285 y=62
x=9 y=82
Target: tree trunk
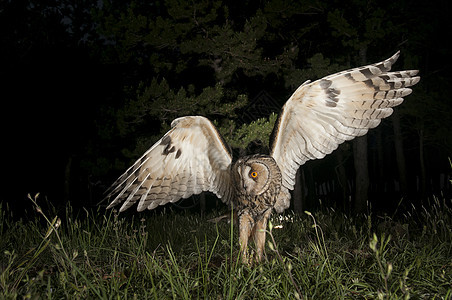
x=298 y=199
x=341 y=173
x=360 y=160
x=380 y=158
x=400 y=156
x=362 y=174
x=202 y=203
x=422 y=179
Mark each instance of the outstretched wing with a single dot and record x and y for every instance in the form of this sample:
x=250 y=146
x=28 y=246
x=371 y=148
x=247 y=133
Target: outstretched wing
x=323 y=114
x=190 y=158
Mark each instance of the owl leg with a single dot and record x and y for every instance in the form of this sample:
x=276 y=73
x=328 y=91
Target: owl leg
x=259 y=235
x=246 y=224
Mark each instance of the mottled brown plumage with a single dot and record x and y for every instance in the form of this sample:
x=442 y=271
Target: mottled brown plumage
x=193 y=157
x=257 y=183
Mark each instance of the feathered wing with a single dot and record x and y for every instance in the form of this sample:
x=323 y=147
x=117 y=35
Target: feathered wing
x=323 y=114
x=190 y=158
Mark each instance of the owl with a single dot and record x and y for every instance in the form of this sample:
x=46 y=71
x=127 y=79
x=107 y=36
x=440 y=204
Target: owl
x=192 y=156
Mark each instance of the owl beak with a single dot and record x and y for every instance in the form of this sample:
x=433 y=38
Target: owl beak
x=244 y=186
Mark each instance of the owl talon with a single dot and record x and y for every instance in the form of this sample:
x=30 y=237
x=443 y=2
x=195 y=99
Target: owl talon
x=248 y=227
x=193 y=157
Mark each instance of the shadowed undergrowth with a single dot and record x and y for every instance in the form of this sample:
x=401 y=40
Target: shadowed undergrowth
x=326 y=255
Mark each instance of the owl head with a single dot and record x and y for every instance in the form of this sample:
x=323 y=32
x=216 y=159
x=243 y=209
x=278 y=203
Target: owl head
x=256 y=174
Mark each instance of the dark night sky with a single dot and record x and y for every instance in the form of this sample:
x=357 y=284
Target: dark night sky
x=52 y=98
x=49 y=114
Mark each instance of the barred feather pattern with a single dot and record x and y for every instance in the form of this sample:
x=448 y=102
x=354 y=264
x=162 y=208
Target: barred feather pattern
x=188 y=159
x=323 y=114
x=193 y=157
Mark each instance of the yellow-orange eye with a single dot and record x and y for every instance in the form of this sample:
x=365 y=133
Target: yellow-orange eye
x=253 y=174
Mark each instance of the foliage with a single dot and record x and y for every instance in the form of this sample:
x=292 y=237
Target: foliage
x=258 y=131
x=111 y=75
x=198 y=58
x=325 y=254
x=207 y=58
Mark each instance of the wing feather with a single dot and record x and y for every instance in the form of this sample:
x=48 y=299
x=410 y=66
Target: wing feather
x=322 y=114
x=190 y=158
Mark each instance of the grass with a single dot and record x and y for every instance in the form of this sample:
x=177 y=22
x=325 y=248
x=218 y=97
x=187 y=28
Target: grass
x=322 y=255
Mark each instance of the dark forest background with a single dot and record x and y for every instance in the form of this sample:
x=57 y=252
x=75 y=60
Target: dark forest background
x=88 y=86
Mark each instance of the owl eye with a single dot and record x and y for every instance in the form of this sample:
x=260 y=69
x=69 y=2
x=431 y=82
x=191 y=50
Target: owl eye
x=253 y=174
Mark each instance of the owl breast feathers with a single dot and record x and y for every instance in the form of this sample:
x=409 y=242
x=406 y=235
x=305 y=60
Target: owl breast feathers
x=193 y=157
